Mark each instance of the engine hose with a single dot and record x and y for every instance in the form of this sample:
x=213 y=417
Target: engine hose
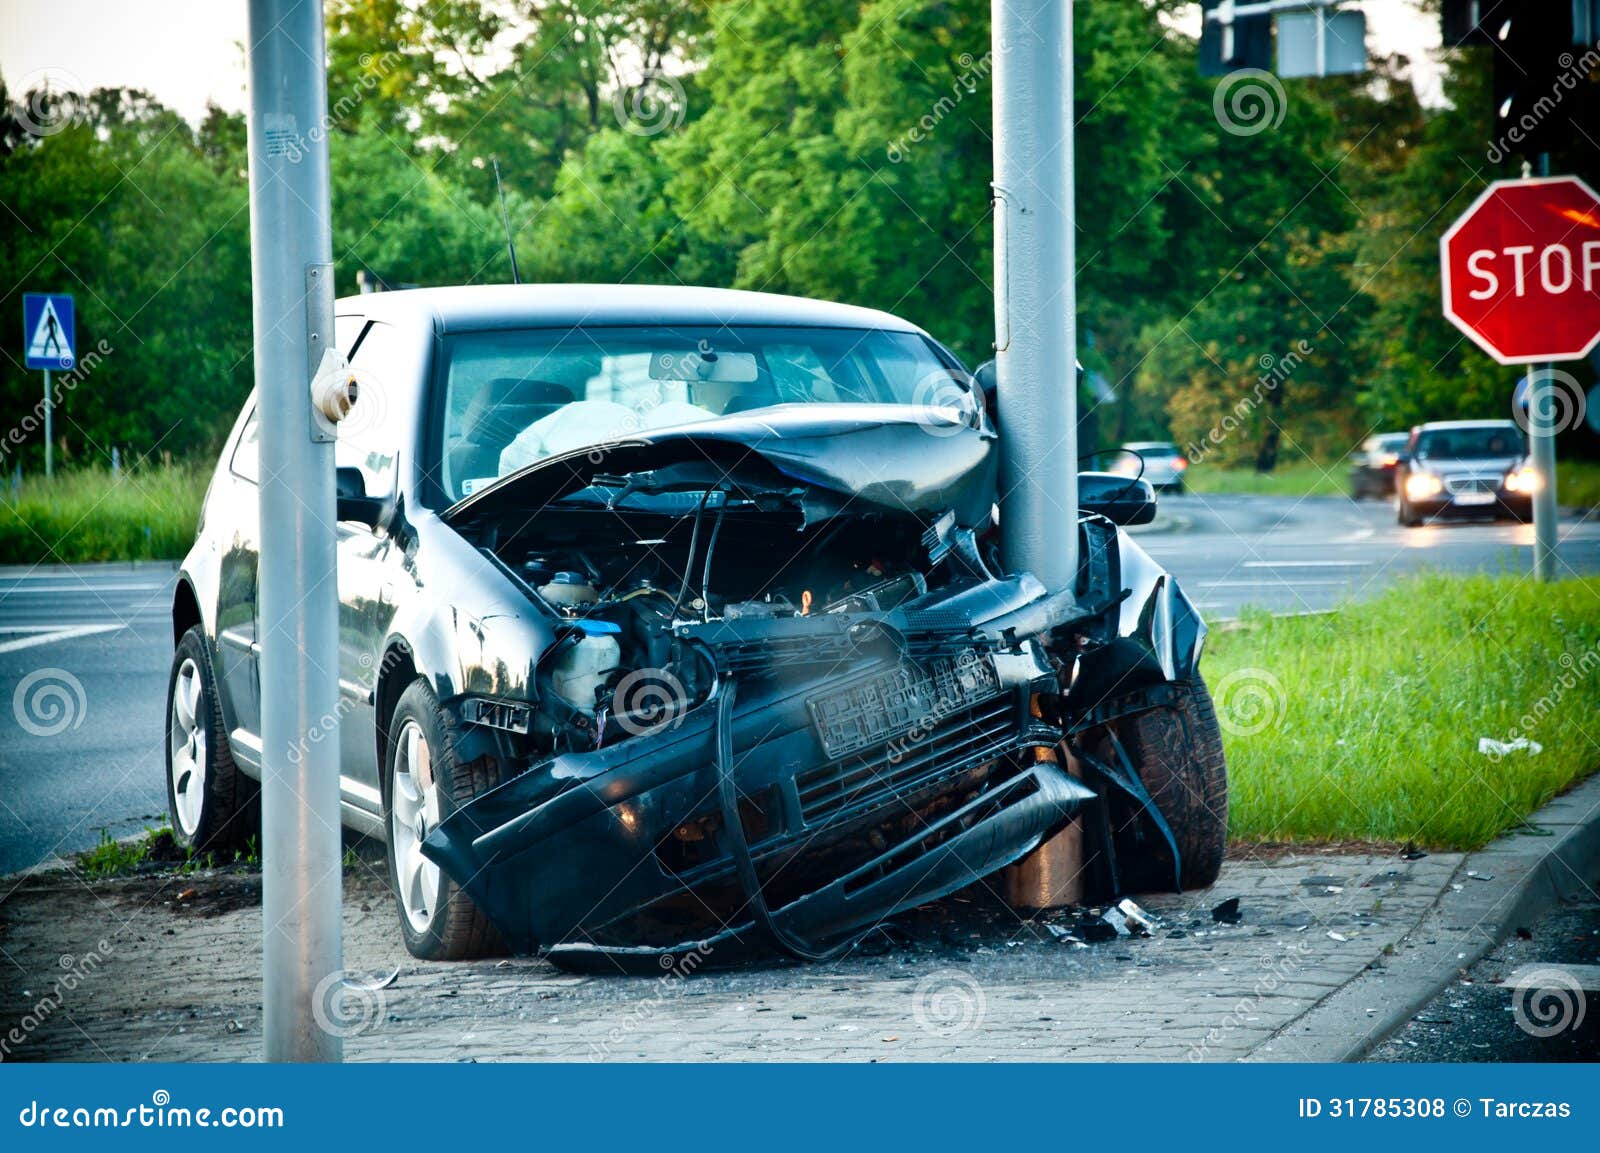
x=739 y=847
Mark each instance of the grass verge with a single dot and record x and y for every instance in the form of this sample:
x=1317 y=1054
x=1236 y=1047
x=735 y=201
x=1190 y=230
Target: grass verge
x=1364 y=724
x=1302 y=479
x=1577 y=481
x=146 y=513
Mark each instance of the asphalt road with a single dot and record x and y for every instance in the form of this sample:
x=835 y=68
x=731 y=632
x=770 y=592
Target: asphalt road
x=94 y=641
x=1534 y=998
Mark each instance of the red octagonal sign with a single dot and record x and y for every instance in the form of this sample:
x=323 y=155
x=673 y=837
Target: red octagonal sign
x=1522 y=270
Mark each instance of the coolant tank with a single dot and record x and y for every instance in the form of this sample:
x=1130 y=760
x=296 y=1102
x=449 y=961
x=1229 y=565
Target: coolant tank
x=569 y=588
x=580 y=670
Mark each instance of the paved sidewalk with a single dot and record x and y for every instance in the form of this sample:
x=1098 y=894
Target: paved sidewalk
x=167 y=969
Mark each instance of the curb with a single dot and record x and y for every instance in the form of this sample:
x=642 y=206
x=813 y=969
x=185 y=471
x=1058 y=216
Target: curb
x=1517 y=879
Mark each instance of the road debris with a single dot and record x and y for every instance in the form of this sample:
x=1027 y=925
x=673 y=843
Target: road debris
x=1490 y=747
x=1137 y=917
x=1227 y=913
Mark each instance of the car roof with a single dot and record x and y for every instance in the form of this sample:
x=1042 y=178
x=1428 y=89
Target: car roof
x=469 y=308
x=1449 y=424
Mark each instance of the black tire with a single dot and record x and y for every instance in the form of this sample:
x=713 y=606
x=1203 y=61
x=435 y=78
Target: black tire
x=1405 y=514
x=223 y=812
x=1177 y=751
x=456 y=929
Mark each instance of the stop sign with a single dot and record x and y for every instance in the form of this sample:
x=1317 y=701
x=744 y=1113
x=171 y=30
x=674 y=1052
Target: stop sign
x=1521 y=270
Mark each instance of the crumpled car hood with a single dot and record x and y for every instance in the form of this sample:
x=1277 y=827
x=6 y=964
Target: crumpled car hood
x=899 y=456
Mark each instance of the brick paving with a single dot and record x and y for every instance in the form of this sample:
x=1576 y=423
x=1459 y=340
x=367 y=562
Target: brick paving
x=177 y=978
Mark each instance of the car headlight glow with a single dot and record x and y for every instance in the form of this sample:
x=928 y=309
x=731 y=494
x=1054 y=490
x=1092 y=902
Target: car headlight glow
x=1421 y=485
x=1524 y=480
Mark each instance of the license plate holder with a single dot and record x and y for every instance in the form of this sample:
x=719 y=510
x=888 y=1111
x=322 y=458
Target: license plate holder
x=874 y=709
x=1474 y=498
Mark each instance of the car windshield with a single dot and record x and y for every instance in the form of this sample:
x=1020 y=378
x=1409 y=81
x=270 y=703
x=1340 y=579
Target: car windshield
x=516 y=397
x=1464 y=443
x=1393 y=442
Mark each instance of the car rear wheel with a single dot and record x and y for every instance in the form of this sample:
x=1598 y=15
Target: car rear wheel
x=424 y=783
x=1177 y=752
x=213 y=806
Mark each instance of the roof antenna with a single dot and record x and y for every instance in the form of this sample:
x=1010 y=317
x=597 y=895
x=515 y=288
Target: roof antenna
x=511 y=244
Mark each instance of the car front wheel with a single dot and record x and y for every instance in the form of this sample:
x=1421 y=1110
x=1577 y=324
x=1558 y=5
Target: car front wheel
x=213 y=806
x=1404 y=513
x=1177 y=752
x=424 y=783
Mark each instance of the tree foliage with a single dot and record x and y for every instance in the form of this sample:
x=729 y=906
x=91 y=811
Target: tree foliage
x=1259 y=292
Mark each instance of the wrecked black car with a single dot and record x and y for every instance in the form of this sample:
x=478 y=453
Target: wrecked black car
x=674 y=618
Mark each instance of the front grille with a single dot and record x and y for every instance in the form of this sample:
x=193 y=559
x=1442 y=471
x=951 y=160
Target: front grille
x=1458 y=485
x=902 y=767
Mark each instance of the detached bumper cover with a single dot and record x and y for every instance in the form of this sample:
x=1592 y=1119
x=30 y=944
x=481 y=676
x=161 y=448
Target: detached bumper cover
x=868 y=779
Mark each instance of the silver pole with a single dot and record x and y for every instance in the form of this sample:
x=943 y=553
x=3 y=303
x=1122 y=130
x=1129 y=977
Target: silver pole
x=1035 y=299
x=1542 y=452
x=298 y=608
x=49 y=433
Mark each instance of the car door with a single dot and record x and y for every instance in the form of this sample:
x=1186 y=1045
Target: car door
x=240 y=541
x=370 y=441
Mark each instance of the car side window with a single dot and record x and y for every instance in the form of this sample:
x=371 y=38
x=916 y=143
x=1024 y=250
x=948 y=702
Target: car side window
x=369 y=435
x=246 y=461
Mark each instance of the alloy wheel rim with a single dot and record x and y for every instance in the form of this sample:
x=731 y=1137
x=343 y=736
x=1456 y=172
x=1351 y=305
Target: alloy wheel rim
x=186 y=746
x=413 y=813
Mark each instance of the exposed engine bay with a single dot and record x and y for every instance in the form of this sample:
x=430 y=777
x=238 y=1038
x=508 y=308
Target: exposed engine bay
x=804 y=711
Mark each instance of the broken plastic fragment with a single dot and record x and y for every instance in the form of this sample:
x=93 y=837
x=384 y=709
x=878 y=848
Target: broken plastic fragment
x=1490 y=747
x=1227 y=913
x=1137 y=917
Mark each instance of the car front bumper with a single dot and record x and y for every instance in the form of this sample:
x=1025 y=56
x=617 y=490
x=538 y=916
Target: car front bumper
x=859 y=794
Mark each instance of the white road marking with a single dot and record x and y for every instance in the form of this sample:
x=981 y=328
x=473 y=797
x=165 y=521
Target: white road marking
x=1266 y=582
x=1307 y=564
x=80 y=588
x=50 y=634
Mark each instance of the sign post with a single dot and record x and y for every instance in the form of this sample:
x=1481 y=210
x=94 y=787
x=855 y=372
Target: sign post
x=49 y=331
x=297 y=608
x=1521 y=277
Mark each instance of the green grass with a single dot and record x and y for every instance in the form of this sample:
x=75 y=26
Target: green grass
x=1302 y=479
x=146 y=513
x=1578 y=483
x=1364 y=724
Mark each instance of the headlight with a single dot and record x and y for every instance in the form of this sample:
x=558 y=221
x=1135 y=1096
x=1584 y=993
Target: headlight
x=1524 y=480
x=1421 y=485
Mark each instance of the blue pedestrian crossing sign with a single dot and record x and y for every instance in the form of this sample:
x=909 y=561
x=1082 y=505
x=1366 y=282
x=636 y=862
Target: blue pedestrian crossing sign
x=47 y=326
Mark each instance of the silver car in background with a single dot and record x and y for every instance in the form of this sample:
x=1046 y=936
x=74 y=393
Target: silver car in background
x=1164 y=464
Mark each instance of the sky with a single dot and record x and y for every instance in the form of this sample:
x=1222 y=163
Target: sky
x=187 y=52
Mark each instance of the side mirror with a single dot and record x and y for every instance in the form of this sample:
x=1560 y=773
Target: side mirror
x=351 y=501
x=986 y=376
x=1120 y=499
